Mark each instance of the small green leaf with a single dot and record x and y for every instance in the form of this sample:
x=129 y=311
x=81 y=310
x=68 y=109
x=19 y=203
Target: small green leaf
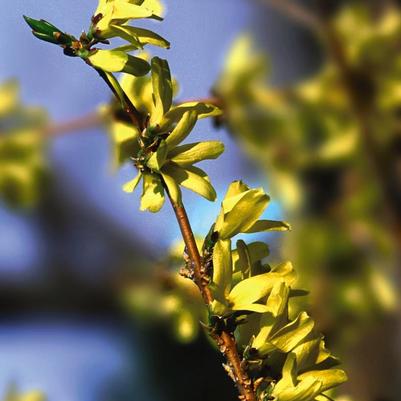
x=192 y=153
x=183 y=129
x=131 y=185
x=268 y=225
x=191 y=178
x=136 y=66
x=202 y=110
x=158 y=158
x=153 y=193
x=222 y=268
x=162 y=89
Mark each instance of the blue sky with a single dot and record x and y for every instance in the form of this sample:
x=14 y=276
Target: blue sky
x=200 y=33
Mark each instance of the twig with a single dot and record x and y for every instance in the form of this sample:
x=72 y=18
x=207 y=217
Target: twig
x=80 y=124
x=225 y=340
x=213 y=100
x=296 y=12
x=192 y=249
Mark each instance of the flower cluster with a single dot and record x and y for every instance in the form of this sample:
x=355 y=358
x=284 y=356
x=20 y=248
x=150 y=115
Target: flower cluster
x=157 y=151
x=111 y=19
x=305 y=135
x=284 y=354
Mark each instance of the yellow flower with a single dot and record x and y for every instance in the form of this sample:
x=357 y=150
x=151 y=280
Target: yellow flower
x=112 y=13
x=161 y=160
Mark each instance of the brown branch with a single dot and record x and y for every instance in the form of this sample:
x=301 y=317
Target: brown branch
x=296 y=12
x=192 y=249
x=213 y=100
x=225 y=340
x=91 y=120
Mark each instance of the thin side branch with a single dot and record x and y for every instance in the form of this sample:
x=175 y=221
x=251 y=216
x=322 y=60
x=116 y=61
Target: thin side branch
x=296 y=12
x=91 y=120
x=192 y=249
x=213 y=100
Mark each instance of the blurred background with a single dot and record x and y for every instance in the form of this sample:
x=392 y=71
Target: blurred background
x=311 y=93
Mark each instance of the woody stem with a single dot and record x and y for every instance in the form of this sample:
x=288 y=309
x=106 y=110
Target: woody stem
x=88 y=121
x=225 y=340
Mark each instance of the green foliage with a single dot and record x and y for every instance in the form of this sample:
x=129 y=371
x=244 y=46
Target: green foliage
x=173 y=300
x=308 y=140
x=23 y=166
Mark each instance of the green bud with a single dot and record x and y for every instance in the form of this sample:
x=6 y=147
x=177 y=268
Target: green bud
x=44 y=30
x=41 y=26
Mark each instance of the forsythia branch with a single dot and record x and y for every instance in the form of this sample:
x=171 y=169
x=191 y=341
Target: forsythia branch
x=225 y=340
x=90 y=120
